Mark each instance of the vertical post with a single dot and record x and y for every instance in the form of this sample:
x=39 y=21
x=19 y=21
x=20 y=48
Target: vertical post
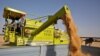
x=22 y=28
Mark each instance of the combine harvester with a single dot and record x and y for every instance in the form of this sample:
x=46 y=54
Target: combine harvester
x=26 y=31
x=21 y=31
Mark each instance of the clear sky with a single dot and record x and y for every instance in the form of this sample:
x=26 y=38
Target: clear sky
x=86 y=13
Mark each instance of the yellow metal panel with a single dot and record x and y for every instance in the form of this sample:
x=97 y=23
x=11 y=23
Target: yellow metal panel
x=19 y=41
x=6 y=34
x=11 y=36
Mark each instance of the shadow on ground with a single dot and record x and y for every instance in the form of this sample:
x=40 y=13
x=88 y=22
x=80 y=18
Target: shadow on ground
x=94 y=51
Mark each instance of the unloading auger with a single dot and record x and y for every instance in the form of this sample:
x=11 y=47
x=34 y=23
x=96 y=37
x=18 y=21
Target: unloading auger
x=65 y=14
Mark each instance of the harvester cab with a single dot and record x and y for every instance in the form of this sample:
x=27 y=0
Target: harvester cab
x=14 y=24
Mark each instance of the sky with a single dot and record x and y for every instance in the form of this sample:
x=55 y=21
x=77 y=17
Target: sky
x=86 y=13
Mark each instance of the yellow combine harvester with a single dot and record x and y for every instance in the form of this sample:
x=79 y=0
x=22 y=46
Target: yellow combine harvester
x=22 y=31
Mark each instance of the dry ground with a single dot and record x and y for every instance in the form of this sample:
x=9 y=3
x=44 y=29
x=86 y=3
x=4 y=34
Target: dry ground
x=94 y=44
x=1 y=40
